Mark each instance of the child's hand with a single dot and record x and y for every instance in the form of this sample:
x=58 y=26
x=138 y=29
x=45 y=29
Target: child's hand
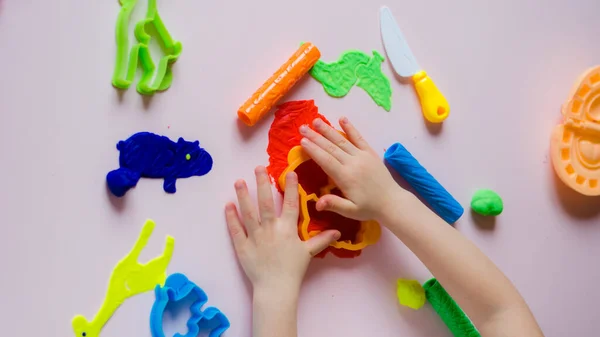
x=372 y=193
x=268 y=248
x=355 y=168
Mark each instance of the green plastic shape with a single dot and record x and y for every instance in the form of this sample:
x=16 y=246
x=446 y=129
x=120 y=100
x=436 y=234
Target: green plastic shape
x=128 y=278
x=455 y=319
x=339 y=77
x=121 y=77
x=410 y=293
x=374 y=82
x=154 y=78
x=487 y=202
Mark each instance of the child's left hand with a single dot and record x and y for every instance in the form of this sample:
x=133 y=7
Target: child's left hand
x=268 y=248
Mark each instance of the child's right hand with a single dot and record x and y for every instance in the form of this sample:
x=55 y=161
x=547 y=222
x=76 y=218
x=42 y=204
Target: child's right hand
x=355 y=168
x=478 y=286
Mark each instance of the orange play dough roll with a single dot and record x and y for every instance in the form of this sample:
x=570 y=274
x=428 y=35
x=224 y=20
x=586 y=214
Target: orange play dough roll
x=575 y=144
x=261 y=102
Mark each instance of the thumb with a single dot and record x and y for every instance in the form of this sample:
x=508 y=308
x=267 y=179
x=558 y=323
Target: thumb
x=322 y=240
x=336 y=204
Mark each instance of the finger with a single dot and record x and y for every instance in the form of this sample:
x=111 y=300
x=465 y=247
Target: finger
x=234 y=226
x=247 y=208
x=323 y=143
x=266 y=205
x=334 y=136
x=353 y=134
x=291 y=205
x=328 y=163
x=339 y=205
x=318 y=243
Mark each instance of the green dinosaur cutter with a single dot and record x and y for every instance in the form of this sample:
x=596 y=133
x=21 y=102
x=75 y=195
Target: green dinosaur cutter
x=122 y=78
x=153 y=78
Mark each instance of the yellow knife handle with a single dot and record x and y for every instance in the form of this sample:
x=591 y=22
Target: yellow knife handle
x=434 y=104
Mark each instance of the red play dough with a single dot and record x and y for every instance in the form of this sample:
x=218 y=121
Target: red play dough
x=283 y=136
x=328 y=220
x=311 y=177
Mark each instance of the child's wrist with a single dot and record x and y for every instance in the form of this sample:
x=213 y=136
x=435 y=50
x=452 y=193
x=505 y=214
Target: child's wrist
x=275 y=296
x=399 y=204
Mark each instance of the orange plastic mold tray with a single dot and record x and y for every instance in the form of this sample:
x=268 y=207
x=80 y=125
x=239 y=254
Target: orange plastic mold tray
x=356 y=235
x=575 y=144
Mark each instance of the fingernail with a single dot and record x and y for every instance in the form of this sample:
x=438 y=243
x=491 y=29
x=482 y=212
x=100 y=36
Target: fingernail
x=344 y=120
x=239 y=184
x=317 y=122
x=337 y=236
x=304 y=142
x=303 y=128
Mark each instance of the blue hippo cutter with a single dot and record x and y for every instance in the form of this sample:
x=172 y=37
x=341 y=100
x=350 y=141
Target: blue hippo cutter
x=176 y=289
x=152 y=156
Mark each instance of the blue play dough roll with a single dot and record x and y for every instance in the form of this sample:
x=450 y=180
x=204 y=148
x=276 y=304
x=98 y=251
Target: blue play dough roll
x=398 y=157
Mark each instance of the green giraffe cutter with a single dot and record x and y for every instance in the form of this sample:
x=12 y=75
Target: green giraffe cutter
x=128 y=278
x=153 y=78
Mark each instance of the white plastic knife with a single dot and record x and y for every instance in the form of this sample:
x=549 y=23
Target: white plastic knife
x=434 y=104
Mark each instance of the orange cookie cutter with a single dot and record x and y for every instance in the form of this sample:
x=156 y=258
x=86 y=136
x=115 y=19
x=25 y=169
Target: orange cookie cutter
x=575 y=144
x=369 y=232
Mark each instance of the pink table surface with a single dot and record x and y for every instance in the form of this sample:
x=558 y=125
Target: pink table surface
x=505 y=66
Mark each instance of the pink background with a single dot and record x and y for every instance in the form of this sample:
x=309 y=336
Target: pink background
x=505 y=66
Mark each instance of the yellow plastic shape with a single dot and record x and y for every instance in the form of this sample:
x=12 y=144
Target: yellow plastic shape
x=369 y=232
x=128 y=278
x=434 y=104
x=575 y=144
x=410 y=293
